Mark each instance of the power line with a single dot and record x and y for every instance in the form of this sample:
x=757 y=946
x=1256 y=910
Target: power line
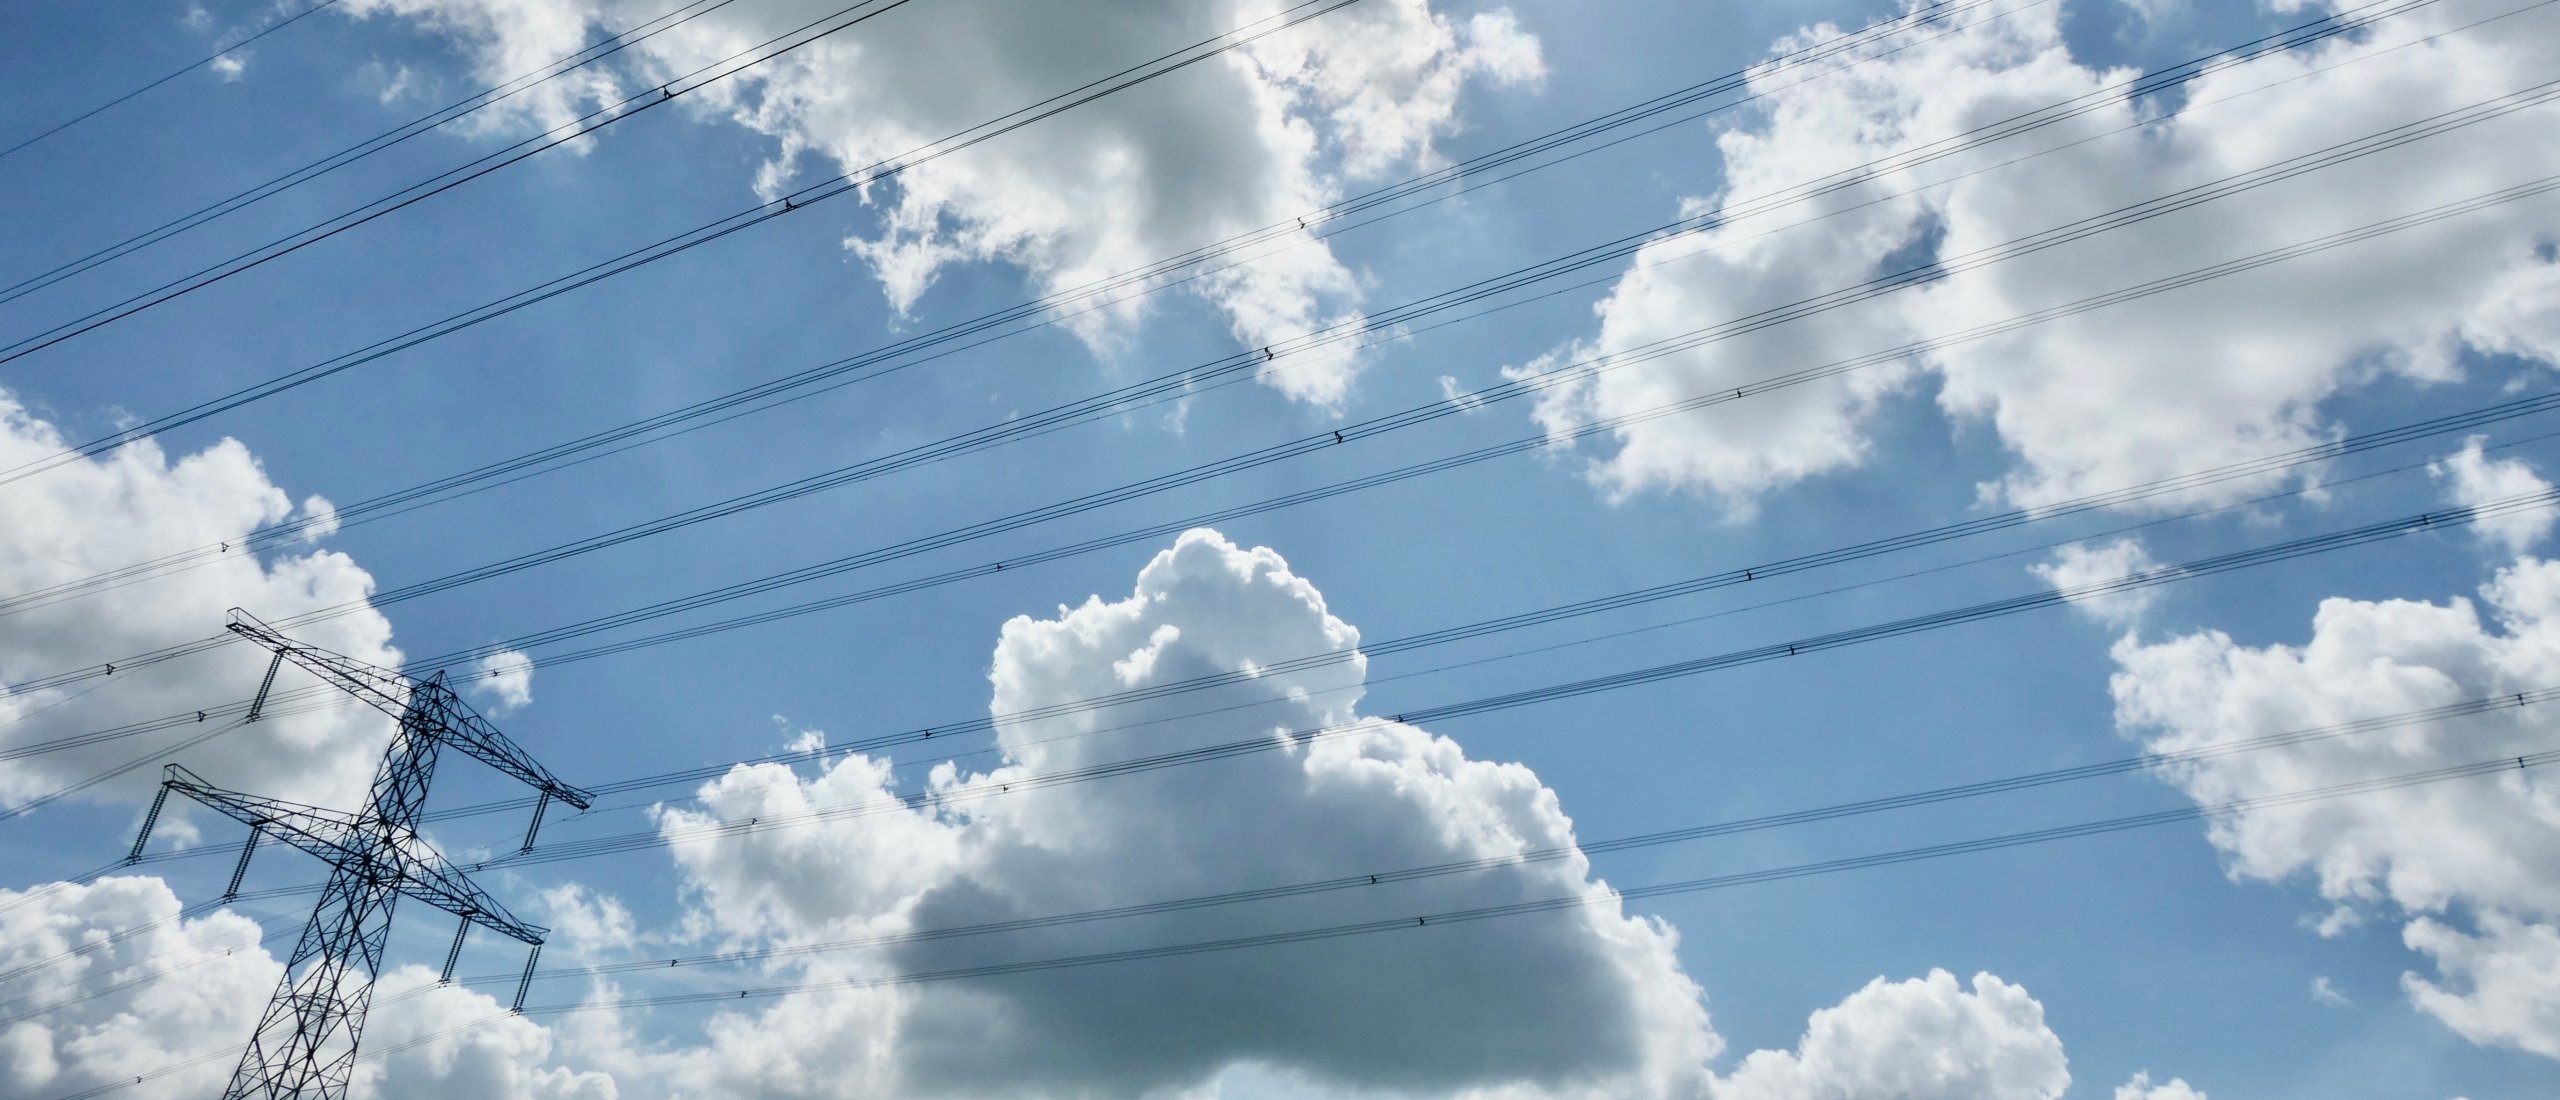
x=2310 y=32
x=1150 y=278
x=173 y=74
x=2267 y=464
x=1447 y=918
x=553 y=138
x=602 y=48
x=1883 y=284
x=1362 y=880
x=1387 y=877
x=2289 y=550
x=2274 y=553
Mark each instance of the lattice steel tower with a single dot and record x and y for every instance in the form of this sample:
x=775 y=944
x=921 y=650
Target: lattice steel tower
x=305 y=1044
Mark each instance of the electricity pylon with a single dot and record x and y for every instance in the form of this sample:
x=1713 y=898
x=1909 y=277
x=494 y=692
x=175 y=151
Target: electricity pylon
x=305 y=1044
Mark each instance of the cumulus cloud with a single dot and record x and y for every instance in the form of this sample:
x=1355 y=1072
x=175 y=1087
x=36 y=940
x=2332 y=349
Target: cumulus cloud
x=1246 y=141
x=2118 y=396
x=504 y=679
x=1928 y=1038
x=432 y=1057
x=137 y=504
x=88 y=1036
x=2472 y=867
x=2141 y=1088
x=92 y=1033
x=1584 y=1002
x=2471 y=479
x=2080 y=563
x=1429 y=1010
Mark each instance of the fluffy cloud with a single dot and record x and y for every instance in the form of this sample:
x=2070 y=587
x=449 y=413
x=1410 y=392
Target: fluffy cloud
x=2472 y=478
x=2141 y=1088
x=1585 y=1002
x=91 y=1033
x=1923 y=1039
x=432 y=1057
x=2080 y=563
x=88 y=1036
x=2472 y=866
x=2122 y=395
x=1431 y=1010
x=1242 y=142
x=504 y=679
x=1428 y=1012
x=137 y=504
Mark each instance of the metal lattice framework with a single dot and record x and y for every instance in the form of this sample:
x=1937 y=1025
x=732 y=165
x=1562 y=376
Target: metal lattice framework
x=305 y=1043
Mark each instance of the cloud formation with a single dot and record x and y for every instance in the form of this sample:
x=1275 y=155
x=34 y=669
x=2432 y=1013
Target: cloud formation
x=2081 y=563
x=1432 y=1010
x=1586 y=1001
x=2469 y=866
x=504 y=679
x=137 y=504
x=1928 y=1038
x=2118 y=396
x=98 y=1027
x=2471 y=479
x=1248 y=140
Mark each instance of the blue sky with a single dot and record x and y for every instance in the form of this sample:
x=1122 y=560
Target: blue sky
x=2171 y=950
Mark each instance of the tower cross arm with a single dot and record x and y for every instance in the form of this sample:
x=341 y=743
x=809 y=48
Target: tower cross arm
x=467 y=731
x=339 y=839
x=382 y=688
x=400 y=697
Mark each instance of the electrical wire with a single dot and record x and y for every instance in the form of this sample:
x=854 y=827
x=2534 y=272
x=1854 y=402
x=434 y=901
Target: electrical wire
x=2314 y=31
x=592 y=53
x=1030 y=314
x=173 y=74
x=1371 y=680
x=847 y=184
x=938 y=799
x=2271 y=463
x=563 y=134
x=1511 y=388
x=2149 y=762
x=1447 y=918
x=2288 y=550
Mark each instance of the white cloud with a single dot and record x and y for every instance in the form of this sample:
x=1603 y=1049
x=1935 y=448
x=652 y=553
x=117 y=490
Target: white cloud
x=585 y=923
x=2505 y=979
x=231 y=66
x=2141 y=1088
x=2472 y=479
x=2473 y=866
x=1245 y=141
x=506 y=39
x=2080 y=563
x=1586 y=1002
x=137 y=504
x=2118 y=396
x=1431 y=1010
x=1923 y=1039
x=112 y=1036
x=2325 y=992
x=504 y=679
x=215 y=975
x=504 y=1057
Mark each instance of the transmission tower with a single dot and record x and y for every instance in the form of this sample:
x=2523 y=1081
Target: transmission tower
x=305 y=1044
